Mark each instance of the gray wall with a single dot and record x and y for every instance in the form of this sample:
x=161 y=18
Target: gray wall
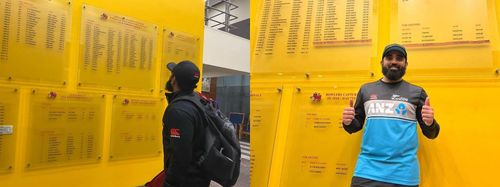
x=233 y=94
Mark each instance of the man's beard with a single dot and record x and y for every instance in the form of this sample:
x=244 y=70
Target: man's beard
x=168 y=86
x=394 y=75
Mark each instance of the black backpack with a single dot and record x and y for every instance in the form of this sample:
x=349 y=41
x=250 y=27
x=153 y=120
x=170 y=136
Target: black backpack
x=220 y=161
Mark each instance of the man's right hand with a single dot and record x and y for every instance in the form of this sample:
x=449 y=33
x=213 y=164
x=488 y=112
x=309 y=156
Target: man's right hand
x=348 y=114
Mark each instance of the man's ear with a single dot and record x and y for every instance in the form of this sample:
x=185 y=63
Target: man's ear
x=174 y=81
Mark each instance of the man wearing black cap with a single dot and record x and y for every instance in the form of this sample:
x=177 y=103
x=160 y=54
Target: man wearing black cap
x=390 y=109
x=182 y=129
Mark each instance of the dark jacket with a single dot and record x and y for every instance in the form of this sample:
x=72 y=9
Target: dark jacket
x=182 y=142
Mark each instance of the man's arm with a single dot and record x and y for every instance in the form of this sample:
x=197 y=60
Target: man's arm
x=430 y=131
x=181 y=129
x=359 y=115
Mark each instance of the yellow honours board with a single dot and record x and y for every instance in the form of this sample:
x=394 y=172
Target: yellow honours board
x=178 y=46
x=303 y=35
x=64 y=129
x=136 y=127
x=452 y=32
x=464 y=23
x=319 y=152
x=117 y=52
x=463 y=154
x=9 y=104
x=265 y=107
x=34 y=42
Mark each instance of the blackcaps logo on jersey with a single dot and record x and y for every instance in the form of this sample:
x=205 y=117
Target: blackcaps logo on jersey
x=384 y=108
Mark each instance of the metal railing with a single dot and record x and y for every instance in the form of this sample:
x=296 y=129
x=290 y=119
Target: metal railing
x=211 y=6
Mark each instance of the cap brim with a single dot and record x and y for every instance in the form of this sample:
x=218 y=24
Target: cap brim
x=171 y=66
x=395 y=49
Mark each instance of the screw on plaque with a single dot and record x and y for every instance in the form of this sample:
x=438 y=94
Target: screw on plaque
x=33 y=91
x=497 y=71
x=308 y=75
x=15 y=90
x=64 y=82
x=99 y=158
x=119 y=87
x=28 y=165
x=126 y=102
x=79 y=84
x=9 y=168
x=299 y=89
x=279 y=90
x=10 y=78
x=372 y=74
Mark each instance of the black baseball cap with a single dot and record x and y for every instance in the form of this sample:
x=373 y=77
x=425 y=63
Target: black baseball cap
x=394 y=47
x=186 y=73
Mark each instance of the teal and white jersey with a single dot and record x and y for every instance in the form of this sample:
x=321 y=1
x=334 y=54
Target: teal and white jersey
x=390 y=112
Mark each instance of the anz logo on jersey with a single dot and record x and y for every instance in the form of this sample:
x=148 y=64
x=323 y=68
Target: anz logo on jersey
x=387 y=108
x=401 y=109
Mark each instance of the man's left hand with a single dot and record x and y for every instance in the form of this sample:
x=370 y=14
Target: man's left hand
x=427 y=113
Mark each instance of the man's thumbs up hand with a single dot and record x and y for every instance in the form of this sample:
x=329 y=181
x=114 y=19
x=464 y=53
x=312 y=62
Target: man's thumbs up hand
x=427 y=112
x=348 y=114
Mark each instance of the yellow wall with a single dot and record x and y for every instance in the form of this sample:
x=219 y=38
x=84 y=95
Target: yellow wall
x=182 y=16
x=464 y=100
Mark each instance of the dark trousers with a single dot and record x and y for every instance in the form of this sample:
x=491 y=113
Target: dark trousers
x=362 y=182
